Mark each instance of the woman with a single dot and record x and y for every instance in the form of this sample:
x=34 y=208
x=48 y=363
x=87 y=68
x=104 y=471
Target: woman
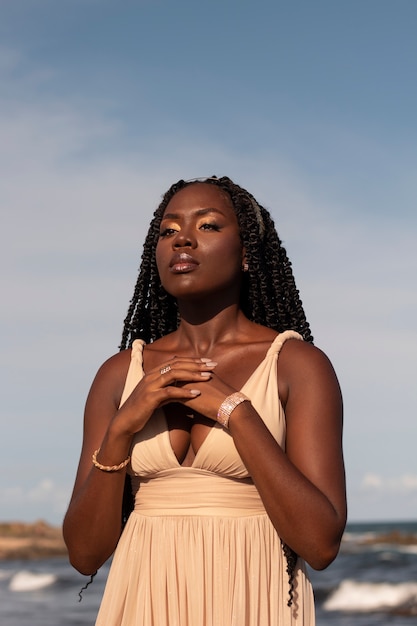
x=228 y=422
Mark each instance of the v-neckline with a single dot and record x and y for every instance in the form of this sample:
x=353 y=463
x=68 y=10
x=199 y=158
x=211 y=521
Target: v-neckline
x=171 y=449
x=216 y=426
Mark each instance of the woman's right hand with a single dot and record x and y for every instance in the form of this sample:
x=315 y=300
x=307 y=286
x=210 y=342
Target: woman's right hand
x=161 y=385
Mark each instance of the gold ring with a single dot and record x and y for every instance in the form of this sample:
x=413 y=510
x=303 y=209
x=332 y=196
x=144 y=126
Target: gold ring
x=165 y=369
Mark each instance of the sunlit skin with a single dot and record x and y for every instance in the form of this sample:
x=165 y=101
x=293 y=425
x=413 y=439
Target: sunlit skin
x=199 y=257
x=199 y=254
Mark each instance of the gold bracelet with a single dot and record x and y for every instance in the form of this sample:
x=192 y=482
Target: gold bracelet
x=228 y=405
x=108 y=468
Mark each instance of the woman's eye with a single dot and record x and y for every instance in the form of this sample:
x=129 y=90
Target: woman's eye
x=210 y=226
x=165 y=232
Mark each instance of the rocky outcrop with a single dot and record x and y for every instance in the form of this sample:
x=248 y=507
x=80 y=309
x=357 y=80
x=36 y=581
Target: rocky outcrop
x=19 y=540
x=395 y=537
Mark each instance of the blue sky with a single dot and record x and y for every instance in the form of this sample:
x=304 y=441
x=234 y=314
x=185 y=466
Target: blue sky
x=310 y=105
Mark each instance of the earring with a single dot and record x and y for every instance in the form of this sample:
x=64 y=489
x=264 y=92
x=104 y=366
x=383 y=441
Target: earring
x=245 y=267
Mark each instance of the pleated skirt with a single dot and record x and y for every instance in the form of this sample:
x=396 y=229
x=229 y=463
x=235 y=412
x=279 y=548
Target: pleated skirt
x=200 y=550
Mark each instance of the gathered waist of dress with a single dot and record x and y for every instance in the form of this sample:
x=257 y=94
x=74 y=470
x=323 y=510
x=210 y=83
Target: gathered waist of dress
x=190 y=491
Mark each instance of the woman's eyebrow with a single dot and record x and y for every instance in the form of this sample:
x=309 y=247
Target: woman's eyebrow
x=198 y=213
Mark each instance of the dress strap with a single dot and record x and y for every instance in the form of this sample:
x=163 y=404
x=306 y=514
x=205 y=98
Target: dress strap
x=280 y=339
x=135 y=372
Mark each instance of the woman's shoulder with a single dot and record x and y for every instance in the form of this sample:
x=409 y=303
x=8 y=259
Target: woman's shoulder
x=294 y=350
x=303 y=365
x=111 y=375
x=108 y=383
x=117 y=361
x=299 y=356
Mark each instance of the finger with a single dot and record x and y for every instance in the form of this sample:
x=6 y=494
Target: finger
x=178 y=394
x=177 y=369
x=178 y=378
x=203 y=363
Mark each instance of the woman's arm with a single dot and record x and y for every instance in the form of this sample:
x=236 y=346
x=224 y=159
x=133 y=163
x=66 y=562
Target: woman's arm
x=303 y=489
x=92 y=524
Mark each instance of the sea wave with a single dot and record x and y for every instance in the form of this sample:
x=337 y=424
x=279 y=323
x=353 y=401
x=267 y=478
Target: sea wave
x=366 y=597
x=25 y=580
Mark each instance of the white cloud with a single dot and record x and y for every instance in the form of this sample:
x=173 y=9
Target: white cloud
x=372 y=481
x=43 y=500
x=381 y=498
x=406 y=483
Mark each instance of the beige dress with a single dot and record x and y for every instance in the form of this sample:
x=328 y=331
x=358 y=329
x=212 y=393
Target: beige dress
x=199 y=548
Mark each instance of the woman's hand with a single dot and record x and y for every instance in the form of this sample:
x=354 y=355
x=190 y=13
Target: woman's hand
x=178 y=379
x=210 y=396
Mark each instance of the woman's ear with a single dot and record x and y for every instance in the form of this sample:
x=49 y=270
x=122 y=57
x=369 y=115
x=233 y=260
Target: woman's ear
x=245 y=264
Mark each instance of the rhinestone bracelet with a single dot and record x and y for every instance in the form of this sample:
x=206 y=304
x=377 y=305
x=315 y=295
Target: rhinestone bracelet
x=228 y=405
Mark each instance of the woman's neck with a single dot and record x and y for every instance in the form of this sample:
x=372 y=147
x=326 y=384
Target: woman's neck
x=203 y=332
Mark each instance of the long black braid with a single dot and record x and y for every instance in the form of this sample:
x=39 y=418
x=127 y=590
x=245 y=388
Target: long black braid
x=269 y=295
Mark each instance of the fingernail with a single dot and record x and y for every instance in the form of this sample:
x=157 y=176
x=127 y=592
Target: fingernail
x=210 y=363
x=205 y=374
x=195 y=392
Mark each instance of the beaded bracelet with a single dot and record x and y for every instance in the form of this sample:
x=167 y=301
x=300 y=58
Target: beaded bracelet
x=228 y=405
x=108 y=468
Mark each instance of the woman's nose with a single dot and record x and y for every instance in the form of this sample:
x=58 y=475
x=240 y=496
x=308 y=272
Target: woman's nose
x=184 y=239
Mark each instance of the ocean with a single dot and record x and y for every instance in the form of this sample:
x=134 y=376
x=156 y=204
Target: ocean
x=370 y=583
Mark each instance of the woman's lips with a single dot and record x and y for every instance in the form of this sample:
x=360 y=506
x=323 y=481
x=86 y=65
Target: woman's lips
x=182 y=263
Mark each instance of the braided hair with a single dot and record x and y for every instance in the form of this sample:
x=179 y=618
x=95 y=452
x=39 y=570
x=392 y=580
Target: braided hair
x=268 y=296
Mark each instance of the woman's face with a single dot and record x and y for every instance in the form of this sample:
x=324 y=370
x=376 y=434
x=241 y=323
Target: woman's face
x=199 y=251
